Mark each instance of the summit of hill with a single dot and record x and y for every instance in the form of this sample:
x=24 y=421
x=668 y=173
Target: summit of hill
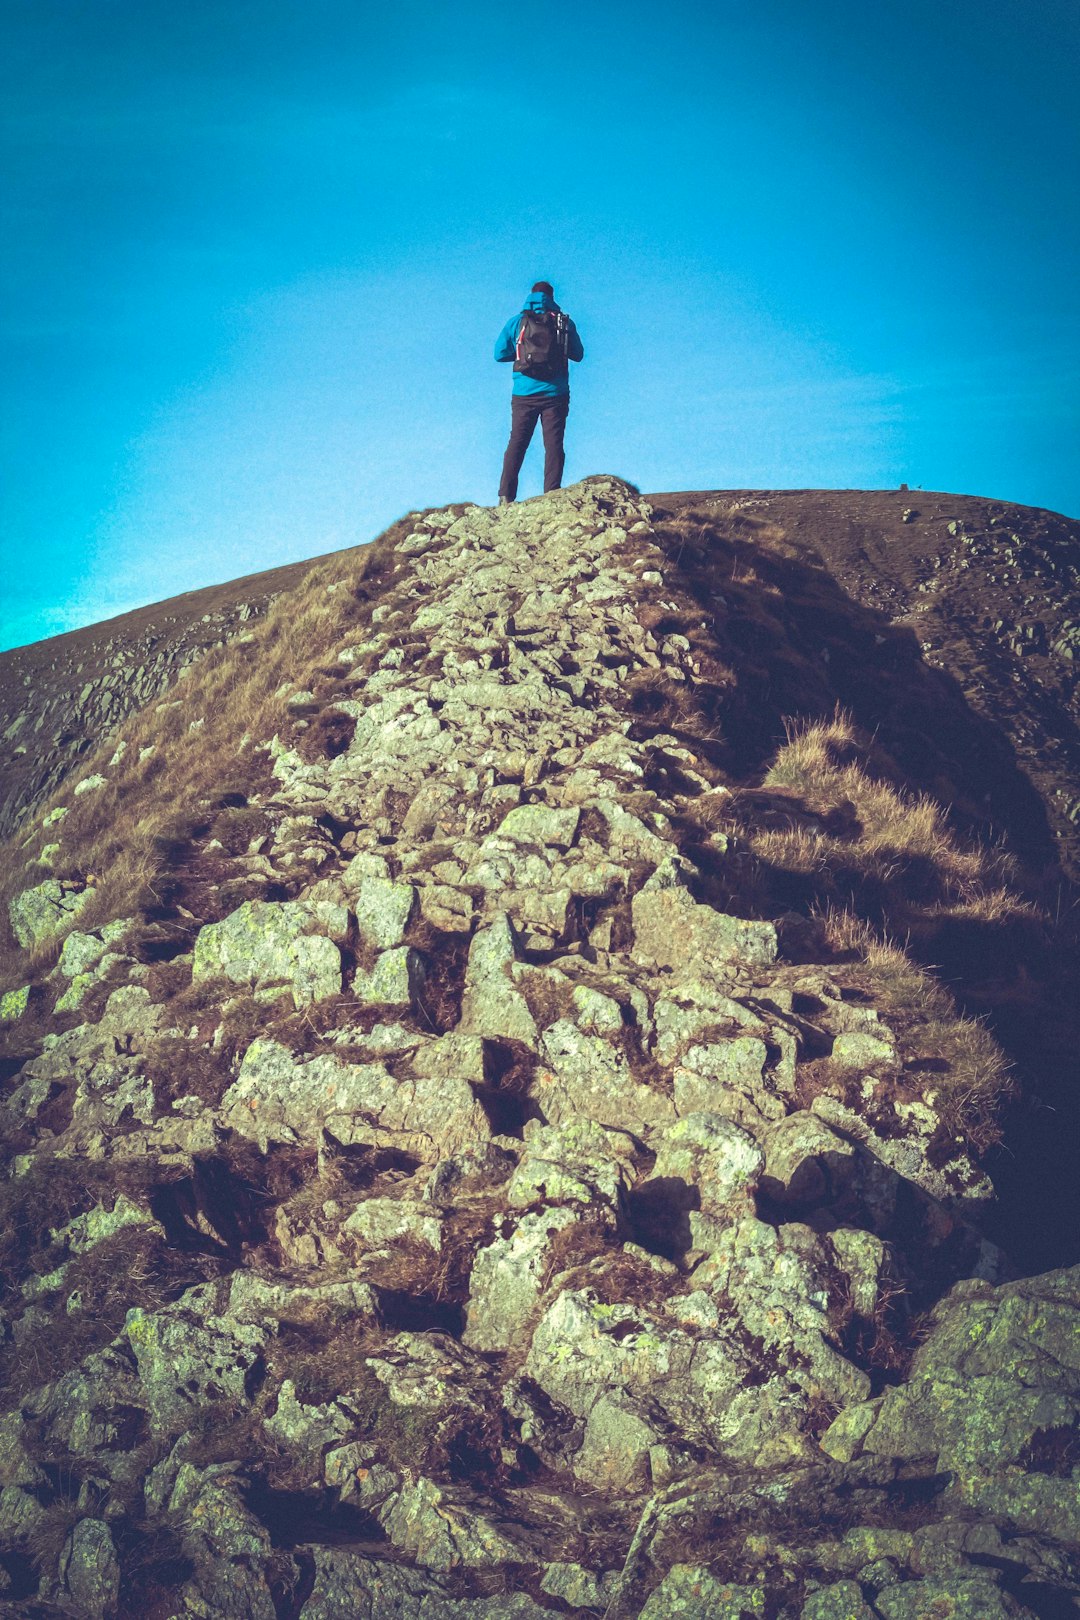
x=539 y=1074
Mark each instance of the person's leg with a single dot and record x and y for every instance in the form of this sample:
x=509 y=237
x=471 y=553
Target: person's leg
x=553 y=420
x=523 y=414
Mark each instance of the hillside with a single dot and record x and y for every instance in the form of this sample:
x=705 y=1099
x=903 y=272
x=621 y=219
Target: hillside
x=540 y=1079
x=61 y=696
x=990 y=591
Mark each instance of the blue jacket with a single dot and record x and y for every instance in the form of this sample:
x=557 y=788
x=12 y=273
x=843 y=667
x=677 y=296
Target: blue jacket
x=506 y=348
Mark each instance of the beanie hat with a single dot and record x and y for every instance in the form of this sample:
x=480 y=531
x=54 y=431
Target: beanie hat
x=544 y=287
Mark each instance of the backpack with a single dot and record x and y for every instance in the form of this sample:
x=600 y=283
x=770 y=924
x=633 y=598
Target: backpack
x=541 y=344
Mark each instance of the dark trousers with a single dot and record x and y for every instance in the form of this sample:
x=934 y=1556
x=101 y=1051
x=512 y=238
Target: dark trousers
x=524 y=410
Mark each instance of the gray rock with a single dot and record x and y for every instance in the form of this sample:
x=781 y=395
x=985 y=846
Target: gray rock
x=492 y=1004
x=382 y=1222
x=856 y=1049
x=86 y=1231
x=673 y=930
x=350 y=1586
x=539 y=824
x=577 y=1161
x=587 y=1077
x=13 y=1003
x=777 y=1279
x=960 y=1596
x=38 y=915
x=690 y=1592
x=284 y=942
x=228 y=1545
x=577 y=1586
x=83 y=952
x=806 y=1161
x=596 y=1013
x=285 y=1097
x=843 y=1600
x=89 y=1569
x=394 y=980
x=726 y=1077
x=712 y=1157
x=996 y=1382
x=382 y=907
x=507 y=1278
x=20 y=1515
x=614 y=1455
x=446 y=1528
x=192 y=1361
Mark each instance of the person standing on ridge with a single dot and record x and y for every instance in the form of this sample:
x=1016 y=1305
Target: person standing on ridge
x=540 y=341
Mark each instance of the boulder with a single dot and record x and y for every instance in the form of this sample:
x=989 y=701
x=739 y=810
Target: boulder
x=39 y=914
x=382 y=908
x=83 y=952
x=708 y=1163
x=688 y=1591
x=379 y=1223
x=960 y=1596
x=276 y=942
x=993 y=1398
x=284 y=1096
x=352 y=1586
x=394 y=980
x=228 y=1546
x=445 y=1527
x=672 y=929
x=842 y=1600
x=778 y=1282
x=507 y=1278
x=13 y=1003
x=89 y=1569
x=575 y=1162
x=492 y=1004
x=540 y=824
x=587 y=1077
x=726 y=1077
x=193 y=1363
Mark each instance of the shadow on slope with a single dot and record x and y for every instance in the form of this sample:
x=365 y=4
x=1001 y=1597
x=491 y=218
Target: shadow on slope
x=803 y=649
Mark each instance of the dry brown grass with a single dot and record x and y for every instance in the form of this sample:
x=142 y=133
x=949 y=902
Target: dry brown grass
x=133 y=1267
x=122 y=840
x=900 y=842
x=961 y=1060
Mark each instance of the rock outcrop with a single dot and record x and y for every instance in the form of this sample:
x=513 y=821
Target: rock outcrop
x=493 y=1201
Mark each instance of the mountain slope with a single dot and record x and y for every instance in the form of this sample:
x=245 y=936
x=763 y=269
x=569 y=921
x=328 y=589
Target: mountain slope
x=990 y=591
x=495 y=1122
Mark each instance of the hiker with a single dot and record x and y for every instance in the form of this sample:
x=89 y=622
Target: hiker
x=539 y=341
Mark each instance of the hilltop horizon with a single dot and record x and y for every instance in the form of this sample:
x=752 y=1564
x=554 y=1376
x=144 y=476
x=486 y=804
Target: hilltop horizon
x=260 y=256
x=254 y=574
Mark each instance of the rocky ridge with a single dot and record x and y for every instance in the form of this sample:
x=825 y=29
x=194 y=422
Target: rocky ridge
x=481 y=1197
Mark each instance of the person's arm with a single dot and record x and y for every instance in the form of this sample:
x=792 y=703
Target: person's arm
x=574 y=350
x=506 y=343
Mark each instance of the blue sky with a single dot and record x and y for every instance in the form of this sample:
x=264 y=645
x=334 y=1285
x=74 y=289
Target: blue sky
x=258 y=255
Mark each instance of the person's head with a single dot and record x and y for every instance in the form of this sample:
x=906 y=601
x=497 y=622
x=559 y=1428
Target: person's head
x=544 y=287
